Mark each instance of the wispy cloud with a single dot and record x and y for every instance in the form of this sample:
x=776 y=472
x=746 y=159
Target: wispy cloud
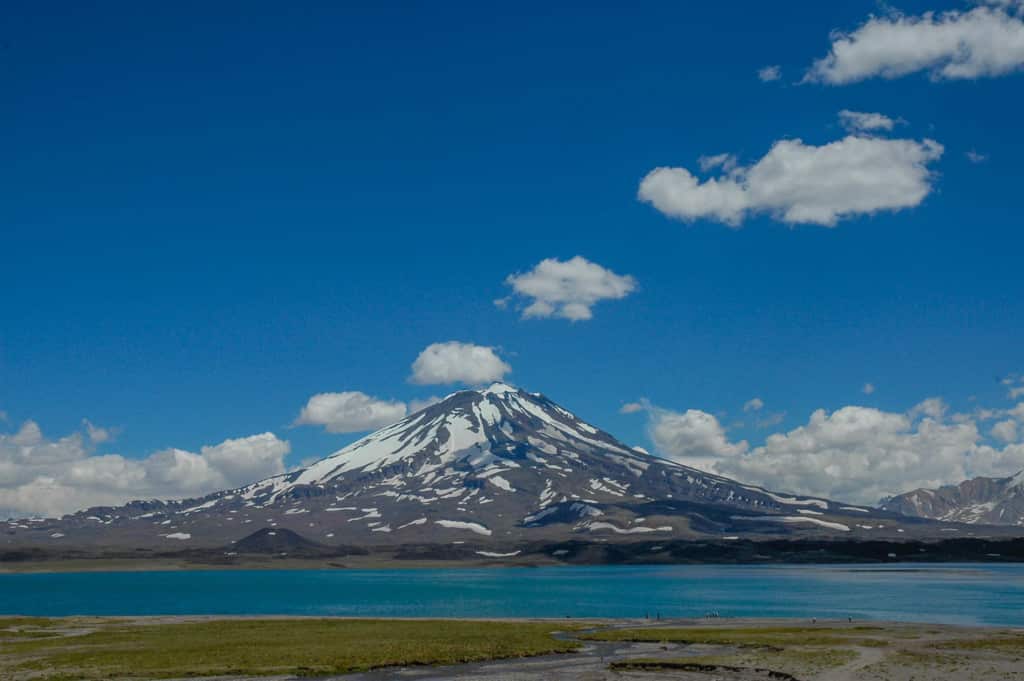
x=769 y=74
x=865 y=122
x=754 y=404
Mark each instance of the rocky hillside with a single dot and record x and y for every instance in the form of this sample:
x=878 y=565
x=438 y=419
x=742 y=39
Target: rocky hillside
x=991 y=501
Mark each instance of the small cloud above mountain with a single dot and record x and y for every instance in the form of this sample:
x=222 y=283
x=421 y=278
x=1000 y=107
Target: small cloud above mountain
x=349 y=412
x=457 y=362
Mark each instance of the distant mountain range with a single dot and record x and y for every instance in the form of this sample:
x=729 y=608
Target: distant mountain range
x=991 y=501
x=498 y=467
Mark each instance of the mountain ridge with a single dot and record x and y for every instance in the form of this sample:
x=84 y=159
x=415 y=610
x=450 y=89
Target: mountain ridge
x=498 y=466
x=980 y=500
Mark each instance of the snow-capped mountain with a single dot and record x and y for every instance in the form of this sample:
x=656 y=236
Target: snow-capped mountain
x=498 y=465
x=991 y=501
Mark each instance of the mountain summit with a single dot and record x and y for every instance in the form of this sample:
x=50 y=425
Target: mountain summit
x=494 y=466
x=501 y=461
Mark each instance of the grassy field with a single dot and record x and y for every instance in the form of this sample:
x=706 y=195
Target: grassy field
x=70 y=649
x=749 y=637
x=79 y=648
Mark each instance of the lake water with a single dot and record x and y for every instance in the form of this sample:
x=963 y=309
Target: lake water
x=956 y=594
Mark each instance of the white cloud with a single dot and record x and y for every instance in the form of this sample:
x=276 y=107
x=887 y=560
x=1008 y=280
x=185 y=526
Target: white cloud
x=1005 y=431
x=934 y=407
x=868 y=388
x=354 y=412
x=455 y=362
x=770 y=420
x=1014 y=386
x=997 y=463
x=96 y=434
x=350 y=412
x=861 y=121
x=990 y=414
x=800 y=183
x=727 y=162
x=975 y=156
x=858 y=454
x=694 y=438
x=631 y=408
x=754 y=404
x=771 y=73
x=247 y=459
x=567 y=289
x=855 y=453
x=187 y=473
x=983 y=42
x=40 y=476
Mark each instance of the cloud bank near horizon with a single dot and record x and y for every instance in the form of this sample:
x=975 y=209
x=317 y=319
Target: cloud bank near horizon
x=856 y=453
x=51 y=477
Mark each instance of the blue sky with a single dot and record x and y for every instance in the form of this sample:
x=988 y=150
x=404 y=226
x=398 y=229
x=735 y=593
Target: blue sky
x=211 y=213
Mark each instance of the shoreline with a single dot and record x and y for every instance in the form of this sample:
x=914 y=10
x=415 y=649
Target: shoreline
x=718 y=622
x=101 y=565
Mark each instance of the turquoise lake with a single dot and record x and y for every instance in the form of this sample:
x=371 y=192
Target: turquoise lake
x=956 y=594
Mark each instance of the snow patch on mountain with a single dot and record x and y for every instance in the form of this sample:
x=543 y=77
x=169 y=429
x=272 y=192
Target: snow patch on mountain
x=463 y=525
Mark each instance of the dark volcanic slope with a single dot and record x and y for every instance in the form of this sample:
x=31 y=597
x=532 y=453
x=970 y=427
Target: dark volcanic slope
x=994 y=501
x=497 y=466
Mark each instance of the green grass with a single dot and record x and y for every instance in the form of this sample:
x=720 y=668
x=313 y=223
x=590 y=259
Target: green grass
x=1006 y=644
x=18 y=622
x=16 y=628
x=264 y=647
x=753 y=636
